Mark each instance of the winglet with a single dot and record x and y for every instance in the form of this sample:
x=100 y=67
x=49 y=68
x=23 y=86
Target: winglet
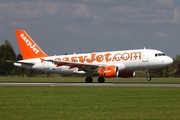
x=29 y=49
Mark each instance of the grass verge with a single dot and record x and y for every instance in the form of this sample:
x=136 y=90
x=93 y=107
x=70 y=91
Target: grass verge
x=95 y=103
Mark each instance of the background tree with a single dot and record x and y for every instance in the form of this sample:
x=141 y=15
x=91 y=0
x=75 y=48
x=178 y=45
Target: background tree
x=166 y=72
x=161 y=72
x=6 y=53
x=174 y=67
x=177 y=71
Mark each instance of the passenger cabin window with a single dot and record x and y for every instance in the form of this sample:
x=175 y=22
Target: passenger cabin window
x=159 y=54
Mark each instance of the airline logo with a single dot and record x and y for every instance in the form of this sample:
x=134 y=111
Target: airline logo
x=106 y=57
x=28 y=43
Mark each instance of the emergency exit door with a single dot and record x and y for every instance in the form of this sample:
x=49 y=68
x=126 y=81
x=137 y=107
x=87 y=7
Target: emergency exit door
x=46 y=65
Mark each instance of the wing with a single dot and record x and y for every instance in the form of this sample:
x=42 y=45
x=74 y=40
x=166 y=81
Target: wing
x=87 y=67
x=81 y=66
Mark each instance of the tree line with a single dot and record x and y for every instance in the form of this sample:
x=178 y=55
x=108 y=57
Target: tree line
x=8 y=69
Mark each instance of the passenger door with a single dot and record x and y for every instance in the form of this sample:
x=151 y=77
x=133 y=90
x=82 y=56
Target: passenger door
x=145 y=56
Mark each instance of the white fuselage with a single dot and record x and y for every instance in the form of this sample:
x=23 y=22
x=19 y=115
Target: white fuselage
x=140 y=59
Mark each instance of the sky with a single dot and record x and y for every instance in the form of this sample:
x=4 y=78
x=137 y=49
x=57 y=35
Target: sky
x=68 y=26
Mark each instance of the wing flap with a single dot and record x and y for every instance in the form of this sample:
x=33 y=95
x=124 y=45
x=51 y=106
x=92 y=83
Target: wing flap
x=81 y=66
x=68 y=63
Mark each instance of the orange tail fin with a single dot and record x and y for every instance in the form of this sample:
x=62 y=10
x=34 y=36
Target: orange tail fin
x=29 y=49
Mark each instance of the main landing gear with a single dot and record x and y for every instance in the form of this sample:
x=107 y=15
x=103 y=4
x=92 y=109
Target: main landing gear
x=101 y=79
x=148 y=78
x=90 y=80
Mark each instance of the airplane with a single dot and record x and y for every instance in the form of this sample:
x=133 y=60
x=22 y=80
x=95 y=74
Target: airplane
x=107 y=64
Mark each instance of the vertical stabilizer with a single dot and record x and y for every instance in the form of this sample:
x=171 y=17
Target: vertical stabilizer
x=29 y=49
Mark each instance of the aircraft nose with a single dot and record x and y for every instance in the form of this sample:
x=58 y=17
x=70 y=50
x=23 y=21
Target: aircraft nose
x=169 y=60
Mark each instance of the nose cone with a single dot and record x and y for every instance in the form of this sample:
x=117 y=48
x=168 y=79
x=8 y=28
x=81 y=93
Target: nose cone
x=169 y=60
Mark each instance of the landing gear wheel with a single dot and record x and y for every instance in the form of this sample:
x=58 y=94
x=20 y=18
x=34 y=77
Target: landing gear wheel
x=148 y=78
x=101 y=79
x=88 y=79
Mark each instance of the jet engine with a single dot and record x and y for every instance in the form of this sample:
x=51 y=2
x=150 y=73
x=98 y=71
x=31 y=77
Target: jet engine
x=108 y=71
x=126 y=74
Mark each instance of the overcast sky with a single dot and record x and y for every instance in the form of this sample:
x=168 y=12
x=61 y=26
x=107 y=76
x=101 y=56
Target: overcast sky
x=67 y=26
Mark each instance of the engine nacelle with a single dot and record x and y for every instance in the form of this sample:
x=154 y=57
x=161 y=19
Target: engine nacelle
x=108 y=71
x=126 y=74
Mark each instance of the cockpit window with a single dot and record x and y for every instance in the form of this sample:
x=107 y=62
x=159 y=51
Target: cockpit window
x=159 y=54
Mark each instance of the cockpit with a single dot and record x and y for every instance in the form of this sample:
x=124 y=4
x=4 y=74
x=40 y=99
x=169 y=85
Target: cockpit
x=159 y=54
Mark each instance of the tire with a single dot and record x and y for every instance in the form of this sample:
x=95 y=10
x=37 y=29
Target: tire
x=88 y=79
x=148 y=78
x=101 y=79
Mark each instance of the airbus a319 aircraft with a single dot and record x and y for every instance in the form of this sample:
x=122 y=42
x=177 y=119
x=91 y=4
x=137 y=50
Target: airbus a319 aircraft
x=105 y=64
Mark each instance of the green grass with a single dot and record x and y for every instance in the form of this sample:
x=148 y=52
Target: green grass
x=93 y=103
x=82 y=103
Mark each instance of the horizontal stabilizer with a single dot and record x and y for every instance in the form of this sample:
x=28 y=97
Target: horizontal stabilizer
x=22 y=62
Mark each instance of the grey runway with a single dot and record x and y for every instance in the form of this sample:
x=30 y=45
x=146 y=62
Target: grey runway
x=95 y=84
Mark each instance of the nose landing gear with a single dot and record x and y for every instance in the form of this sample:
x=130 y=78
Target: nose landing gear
x=148 y=78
